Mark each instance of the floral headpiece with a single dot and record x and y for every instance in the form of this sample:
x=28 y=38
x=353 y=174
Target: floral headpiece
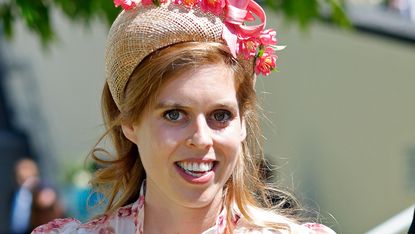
x=147 y=25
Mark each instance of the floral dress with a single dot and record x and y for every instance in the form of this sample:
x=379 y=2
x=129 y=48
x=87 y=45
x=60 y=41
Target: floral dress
x=130 y=220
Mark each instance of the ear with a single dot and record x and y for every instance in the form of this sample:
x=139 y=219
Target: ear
x=243 y=129
x=129 y=132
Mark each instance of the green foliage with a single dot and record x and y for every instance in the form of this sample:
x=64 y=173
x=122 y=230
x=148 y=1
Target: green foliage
x=338 y=14
x=304 y=12
x=6 y=18
x=84 y=11
x=36 y=17
x=36 y=14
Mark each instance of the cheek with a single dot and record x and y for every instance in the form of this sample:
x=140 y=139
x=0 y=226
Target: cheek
x=167 y=137
x=230 y=140
x=159 y=141
x=232 y=134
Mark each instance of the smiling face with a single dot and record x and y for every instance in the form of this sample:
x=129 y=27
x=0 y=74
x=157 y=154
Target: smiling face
x=189 y=139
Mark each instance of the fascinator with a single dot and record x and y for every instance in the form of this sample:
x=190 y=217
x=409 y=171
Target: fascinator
x=145 y=26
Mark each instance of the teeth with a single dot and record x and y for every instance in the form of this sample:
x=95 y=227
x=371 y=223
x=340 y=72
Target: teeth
x=196 y=167
x=193 y=174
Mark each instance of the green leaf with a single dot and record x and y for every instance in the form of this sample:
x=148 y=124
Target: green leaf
x=7 y=19
x=260 y=52
x=35 y=14
x=304 y=12
x=337 y=13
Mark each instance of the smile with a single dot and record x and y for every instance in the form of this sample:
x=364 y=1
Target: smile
x=196 y=169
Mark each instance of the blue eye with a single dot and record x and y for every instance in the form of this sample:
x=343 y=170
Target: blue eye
x=222 y=115
x=173 y=115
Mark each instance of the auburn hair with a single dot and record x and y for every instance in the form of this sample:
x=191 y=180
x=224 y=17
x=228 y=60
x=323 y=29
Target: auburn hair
x=122 y=171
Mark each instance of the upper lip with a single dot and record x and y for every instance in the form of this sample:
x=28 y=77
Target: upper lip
x=198 y=160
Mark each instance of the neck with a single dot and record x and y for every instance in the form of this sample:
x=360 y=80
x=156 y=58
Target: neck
x=163 y=215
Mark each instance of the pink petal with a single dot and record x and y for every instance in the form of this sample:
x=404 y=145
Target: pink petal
x=146 y=2
x=125 y=4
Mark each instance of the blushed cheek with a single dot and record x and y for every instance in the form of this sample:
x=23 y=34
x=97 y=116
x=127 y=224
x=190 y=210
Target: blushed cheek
x=166 y=139
x=231 y=137
x=230 y=145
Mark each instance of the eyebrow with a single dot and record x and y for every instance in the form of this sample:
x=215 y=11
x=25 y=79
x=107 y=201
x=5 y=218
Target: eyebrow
x=169 y=104
x=176 y=105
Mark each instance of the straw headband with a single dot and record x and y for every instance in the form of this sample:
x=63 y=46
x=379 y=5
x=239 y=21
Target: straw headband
x=148 y=25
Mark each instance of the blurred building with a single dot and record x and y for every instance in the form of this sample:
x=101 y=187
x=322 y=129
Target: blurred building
x=341 y=109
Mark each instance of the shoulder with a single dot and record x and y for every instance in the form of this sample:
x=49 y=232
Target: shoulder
x=318 y=228
x=120 y=221
x=264 y=217
x=309 y=228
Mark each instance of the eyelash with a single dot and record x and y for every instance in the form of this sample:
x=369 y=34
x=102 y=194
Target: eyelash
x=227 y=119
x=211 y=120
x=166 y=114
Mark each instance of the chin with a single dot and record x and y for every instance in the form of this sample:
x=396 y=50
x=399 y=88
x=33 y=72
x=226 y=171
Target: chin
x=199 y=199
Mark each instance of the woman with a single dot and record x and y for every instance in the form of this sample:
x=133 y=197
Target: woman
x=180 y=107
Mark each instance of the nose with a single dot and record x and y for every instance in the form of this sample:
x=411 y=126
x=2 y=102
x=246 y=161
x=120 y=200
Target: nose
x=201 y=136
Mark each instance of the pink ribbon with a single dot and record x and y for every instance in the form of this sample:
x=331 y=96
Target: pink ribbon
x=237 y=12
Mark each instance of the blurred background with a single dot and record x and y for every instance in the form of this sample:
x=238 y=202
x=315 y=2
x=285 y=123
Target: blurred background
x=338 y=116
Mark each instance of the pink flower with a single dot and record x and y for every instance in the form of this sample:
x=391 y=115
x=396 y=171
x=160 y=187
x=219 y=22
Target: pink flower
x=235 y=219
x=268 y=37
x=54 y=224
x=98 y=221
x=141 y=201
x=125 y=4
x=147 y=2
x=177 y=1
x=125 y=211
x=214 y=6
x=107 y=230
x=150 y=2
x=190 y=3
x=247 y=47
x=266 y=63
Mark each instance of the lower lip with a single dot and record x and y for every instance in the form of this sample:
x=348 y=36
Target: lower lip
x=205 y=178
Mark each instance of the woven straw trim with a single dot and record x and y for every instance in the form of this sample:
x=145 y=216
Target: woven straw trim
x=139 y=32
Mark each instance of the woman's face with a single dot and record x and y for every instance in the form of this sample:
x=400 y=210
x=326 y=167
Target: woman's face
x=190 y=139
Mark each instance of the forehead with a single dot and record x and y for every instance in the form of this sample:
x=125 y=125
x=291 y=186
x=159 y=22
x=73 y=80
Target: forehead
x=205 y=83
